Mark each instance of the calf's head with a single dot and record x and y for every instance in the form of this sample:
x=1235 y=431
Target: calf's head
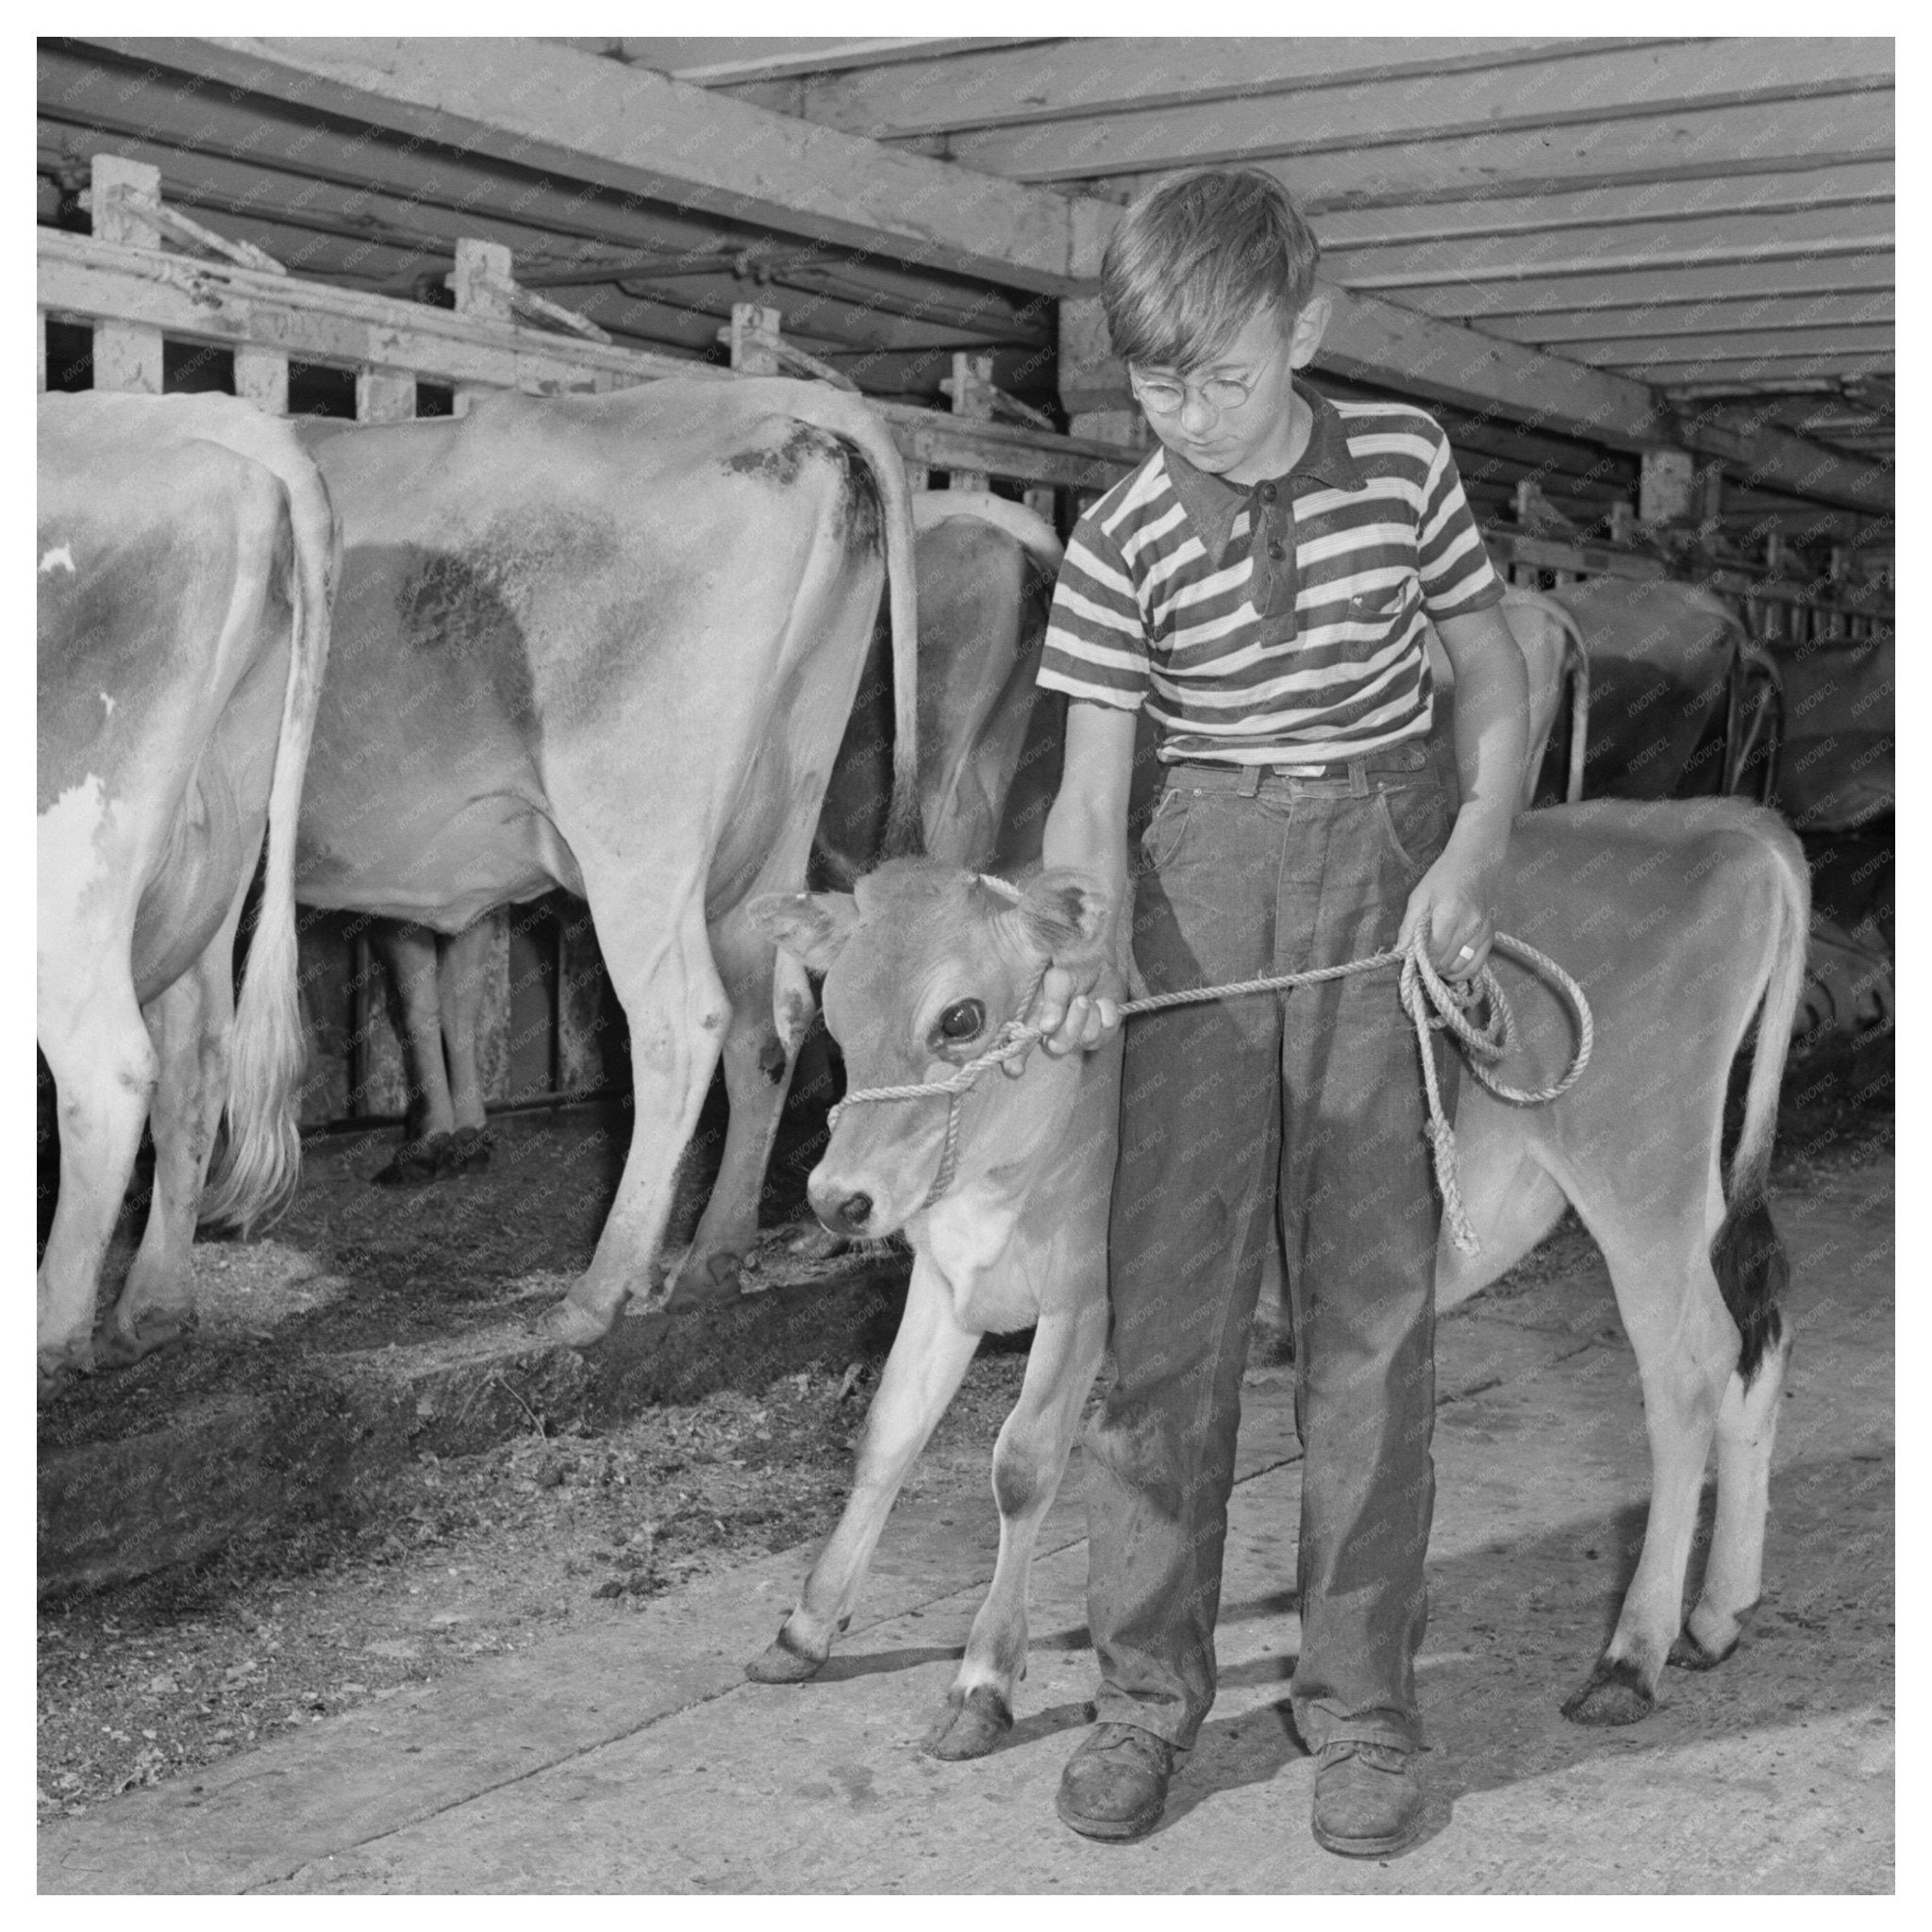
x=924 y=964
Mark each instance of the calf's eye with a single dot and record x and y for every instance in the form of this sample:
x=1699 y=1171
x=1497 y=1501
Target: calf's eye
x=961 y=1022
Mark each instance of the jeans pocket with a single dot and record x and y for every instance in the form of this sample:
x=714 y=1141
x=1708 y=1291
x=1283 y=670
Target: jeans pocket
x=1162 y=837
x=1415 y=821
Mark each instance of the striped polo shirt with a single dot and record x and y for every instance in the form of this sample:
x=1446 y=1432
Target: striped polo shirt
x=1278 y=623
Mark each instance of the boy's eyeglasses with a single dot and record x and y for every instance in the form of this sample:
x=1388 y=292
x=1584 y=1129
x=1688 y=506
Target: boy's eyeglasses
x=1166 y=398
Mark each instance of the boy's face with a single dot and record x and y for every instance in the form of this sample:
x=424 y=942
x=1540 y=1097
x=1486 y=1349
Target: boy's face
x=1247 y=441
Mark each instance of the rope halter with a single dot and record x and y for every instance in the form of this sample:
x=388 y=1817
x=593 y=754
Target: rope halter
x=1429 y=1000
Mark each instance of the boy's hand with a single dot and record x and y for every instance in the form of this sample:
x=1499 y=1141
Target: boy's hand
x=1071 y=1015
x=1452 y=906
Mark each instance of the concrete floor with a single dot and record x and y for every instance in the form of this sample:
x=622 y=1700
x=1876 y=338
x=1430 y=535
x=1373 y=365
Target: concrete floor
x=639 y=1760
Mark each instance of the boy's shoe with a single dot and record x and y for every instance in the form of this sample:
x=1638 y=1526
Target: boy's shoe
x=1115 y=1785
x=1368 y=1799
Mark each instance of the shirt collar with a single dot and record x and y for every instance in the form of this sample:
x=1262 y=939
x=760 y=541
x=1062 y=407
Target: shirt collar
x=1212 y=505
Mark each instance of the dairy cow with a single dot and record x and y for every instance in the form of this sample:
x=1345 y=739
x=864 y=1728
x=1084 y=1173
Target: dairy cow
x=1683 y=922
x=609 y=643
x=185 y=553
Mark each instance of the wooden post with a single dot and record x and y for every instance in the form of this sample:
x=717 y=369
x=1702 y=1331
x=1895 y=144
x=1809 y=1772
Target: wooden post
x=41 y=339
x=749 y=321
x=128 y=355
x=483 y=283
x=971 y=378
x=262 y=377
x=385 y=395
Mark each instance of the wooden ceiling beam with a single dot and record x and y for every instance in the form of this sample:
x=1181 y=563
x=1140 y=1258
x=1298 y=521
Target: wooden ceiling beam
x=1652 y=321
x=551 y=110
x=1485 y=303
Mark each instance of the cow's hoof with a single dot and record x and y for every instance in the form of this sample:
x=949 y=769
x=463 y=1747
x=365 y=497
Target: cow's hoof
x=466 y=1151
x=568 y=1326
x=970 y=1726
x=1687 y=1654
x=117 y=1347
x=708 y=1284
x=415 y=1163
x=814 y=1242
x=1614 y=1694
x=57 y=1370
x=781 y=1663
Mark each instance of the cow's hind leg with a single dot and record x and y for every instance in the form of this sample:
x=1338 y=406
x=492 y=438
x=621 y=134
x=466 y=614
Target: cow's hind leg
x=104 y=1071
x=771 y=1008
x=923 y=1374
x=189 y=1024
x=408 y=951
x=465 y=965
x=1687 y=1349
x=1027 y=1465
x=659 y=961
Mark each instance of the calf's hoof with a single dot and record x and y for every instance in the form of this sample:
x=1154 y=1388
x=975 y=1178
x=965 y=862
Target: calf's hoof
x=783 y=1662
x=565 y=1323
x=1687 y=1654
x=1614 y=1693
x=970 y=1726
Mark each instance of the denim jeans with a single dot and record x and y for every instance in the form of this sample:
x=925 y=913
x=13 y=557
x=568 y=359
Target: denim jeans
x=1311 y=1103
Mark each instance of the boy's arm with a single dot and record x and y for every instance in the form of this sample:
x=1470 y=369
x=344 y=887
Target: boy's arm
x=1087 y=829
x=1456 y=900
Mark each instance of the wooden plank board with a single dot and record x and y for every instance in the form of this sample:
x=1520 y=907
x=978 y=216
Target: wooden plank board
x=1662 y=289
x=555 y=110
x=1081 y=78
x=1759 y=187
x=1793 y=91
x=1774 y=368
x=1647 y=322
x=1735 y=346
x=1621 y=248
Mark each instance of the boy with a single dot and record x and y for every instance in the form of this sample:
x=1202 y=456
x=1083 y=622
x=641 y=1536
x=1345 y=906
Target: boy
x=1259 y=584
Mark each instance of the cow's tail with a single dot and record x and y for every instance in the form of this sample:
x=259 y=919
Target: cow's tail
x=1745 y=1253
x=262 y=1155
x=1576 y=667
x=848 y=416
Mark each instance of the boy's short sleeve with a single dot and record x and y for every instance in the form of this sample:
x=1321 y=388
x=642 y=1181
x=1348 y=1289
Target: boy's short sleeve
x=1457 y=576
x=1096 y=643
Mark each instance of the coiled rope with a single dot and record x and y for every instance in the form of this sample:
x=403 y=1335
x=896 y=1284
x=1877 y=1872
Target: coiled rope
x=1421 y=988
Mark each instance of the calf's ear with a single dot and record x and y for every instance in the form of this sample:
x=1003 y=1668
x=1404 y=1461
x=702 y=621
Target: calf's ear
x=811 y=926
x=1066 y=916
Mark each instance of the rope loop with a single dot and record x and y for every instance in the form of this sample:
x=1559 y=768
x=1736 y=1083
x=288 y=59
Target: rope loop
x=1432 y=1003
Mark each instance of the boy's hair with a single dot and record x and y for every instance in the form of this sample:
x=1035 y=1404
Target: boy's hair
x=1193 y=260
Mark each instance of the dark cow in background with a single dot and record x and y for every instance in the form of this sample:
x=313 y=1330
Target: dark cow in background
x=185 y=556
x=609 y=643
x=1684 y=920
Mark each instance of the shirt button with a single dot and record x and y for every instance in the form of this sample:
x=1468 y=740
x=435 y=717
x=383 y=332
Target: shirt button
x=1266 y=492
x=1277 y=552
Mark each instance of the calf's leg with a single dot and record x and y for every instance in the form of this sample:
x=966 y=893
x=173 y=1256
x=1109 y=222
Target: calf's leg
x=923 y=1374
x=1027 y=1464
x=409 y=952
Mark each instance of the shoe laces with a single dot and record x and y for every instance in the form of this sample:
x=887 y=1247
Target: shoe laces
x=1377 y=1756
